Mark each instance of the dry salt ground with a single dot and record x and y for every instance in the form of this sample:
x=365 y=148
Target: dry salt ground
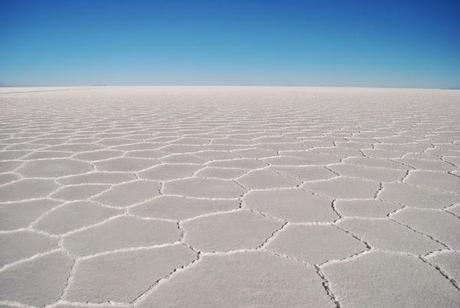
x=229 y=197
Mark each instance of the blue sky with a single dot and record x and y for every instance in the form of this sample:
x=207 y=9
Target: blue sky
x=331 y=43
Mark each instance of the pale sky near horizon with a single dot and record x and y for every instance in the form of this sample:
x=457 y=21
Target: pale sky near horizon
x=313 y=43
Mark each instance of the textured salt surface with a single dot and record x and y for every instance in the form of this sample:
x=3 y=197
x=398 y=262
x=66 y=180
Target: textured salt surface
x=229 y=197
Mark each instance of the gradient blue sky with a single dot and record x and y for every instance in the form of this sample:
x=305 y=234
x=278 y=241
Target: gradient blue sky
x=351 y=43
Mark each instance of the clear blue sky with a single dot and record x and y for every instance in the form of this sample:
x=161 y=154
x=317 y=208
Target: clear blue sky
x=351 y=43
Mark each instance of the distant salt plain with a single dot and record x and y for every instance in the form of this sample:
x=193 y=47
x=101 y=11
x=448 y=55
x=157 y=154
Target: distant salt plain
x=229 y=197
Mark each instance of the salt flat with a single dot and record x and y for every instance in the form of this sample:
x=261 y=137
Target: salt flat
x=229 y=197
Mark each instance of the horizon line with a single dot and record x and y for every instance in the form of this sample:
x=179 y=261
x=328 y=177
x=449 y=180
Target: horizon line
x=223 y=85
